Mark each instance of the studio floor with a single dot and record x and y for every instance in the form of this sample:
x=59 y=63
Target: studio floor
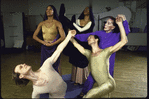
x=130 y=73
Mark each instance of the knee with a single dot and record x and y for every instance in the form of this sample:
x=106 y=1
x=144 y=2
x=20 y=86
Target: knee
x=111 y=86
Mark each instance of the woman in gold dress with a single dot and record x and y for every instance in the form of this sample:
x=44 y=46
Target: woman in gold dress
x=53 y=34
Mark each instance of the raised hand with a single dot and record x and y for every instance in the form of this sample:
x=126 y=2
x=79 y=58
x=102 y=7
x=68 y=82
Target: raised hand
x=122 y=16
x=119 y=20
x=72 y=33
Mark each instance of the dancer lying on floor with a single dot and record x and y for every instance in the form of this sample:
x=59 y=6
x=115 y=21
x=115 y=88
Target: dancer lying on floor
x=46 y=79
x=99 y=62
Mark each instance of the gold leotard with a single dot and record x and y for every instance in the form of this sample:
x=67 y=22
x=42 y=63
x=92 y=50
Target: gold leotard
x=49 y=33
x=100 y=72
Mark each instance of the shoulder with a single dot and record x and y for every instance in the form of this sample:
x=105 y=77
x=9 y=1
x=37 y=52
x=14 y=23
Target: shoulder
x=108 y=49
x=57 y=23
x=41 y=23
x=87 y=51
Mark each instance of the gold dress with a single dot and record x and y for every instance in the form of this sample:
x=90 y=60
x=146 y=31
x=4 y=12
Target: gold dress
x=100 y=71
x=49 y=33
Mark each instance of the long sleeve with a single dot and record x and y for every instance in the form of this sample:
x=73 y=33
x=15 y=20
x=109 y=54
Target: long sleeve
x=83 y=37
x=86 y=27
x=126 y=27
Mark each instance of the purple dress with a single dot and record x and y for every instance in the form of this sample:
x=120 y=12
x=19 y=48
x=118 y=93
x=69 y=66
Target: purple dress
x=46 y=52
x=106 y=40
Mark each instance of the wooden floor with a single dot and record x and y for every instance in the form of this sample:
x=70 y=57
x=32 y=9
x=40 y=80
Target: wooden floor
x=130 y=73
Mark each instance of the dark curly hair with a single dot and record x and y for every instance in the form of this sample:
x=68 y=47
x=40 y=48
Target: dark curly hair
x=18 y=81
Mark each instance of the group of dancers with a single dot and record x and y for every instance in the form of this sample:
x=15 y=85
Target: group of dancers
x=86 y=48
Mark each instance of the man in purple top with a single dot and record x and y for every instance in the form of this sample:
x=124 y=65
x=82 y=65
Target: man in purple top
x=108 y=37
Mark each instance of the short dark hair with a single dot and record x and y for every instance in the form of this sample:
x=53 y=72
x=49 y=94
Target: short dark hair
x=18 y=81
x=96 y=37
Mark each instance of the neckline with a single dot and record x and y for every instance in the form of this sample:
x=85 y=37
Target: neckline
x=48 y=27
x=97 y=54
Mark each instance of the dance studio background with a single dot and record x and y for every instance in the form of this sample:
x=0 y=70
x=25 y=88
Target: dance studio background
x=19 y=19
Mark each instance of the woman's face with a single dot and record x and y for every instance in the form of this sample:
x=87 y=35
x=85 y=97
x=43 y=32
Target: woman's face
x=86 y=11
x=49 y=11
x=109 y=25
x=22 y=69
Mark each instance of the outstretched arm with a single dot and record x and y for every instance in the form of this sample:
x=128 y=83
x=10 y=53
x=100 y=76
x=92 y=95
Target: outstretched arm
x=83 y=37
x=61 y=46
x=123 y=40
x=78 y=46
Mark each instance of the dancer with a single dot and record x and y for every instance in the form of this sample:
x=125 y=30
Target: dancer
x=53 y=34
x=45 y=79
x=99 y=62
x=84 y=24
x=108 y=37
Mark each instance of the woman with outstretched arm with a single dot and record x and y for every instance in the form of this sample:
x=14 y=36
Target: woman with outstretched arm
x=46 y=79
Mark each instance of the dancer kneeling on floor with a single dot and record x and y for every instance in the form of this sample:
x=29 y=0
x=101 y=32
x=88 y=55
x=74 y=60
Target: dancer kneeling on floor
x=99 y=62
x=46 y=79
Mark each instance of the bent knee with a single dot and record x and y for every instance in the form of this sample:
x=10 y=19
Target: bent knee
x=111 y=85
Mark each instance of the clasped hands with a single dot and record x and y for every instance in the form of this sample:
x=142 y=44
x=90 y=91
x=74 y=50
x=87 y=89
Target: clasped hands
x=120 y=18
x=47 y=43
x=72 y=34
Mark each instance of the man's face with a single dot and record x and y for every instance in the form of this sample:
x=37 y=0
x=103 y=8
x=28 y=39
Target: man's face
x=91 y=39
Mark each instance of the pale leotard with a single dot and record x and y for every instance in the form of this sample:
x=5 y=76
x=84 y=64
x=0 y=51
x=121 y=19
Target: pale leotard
x=100 y=71
x=55 y=85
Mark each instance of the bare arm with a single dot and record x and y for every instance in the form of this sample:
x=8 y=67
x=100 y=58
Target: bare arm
x=78 y=46
x=35 y=35
x=60 y=47
x=123 y=40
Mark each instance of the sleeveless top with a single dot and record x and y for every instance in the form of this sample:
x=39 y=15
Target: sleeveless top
x=49 y=34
